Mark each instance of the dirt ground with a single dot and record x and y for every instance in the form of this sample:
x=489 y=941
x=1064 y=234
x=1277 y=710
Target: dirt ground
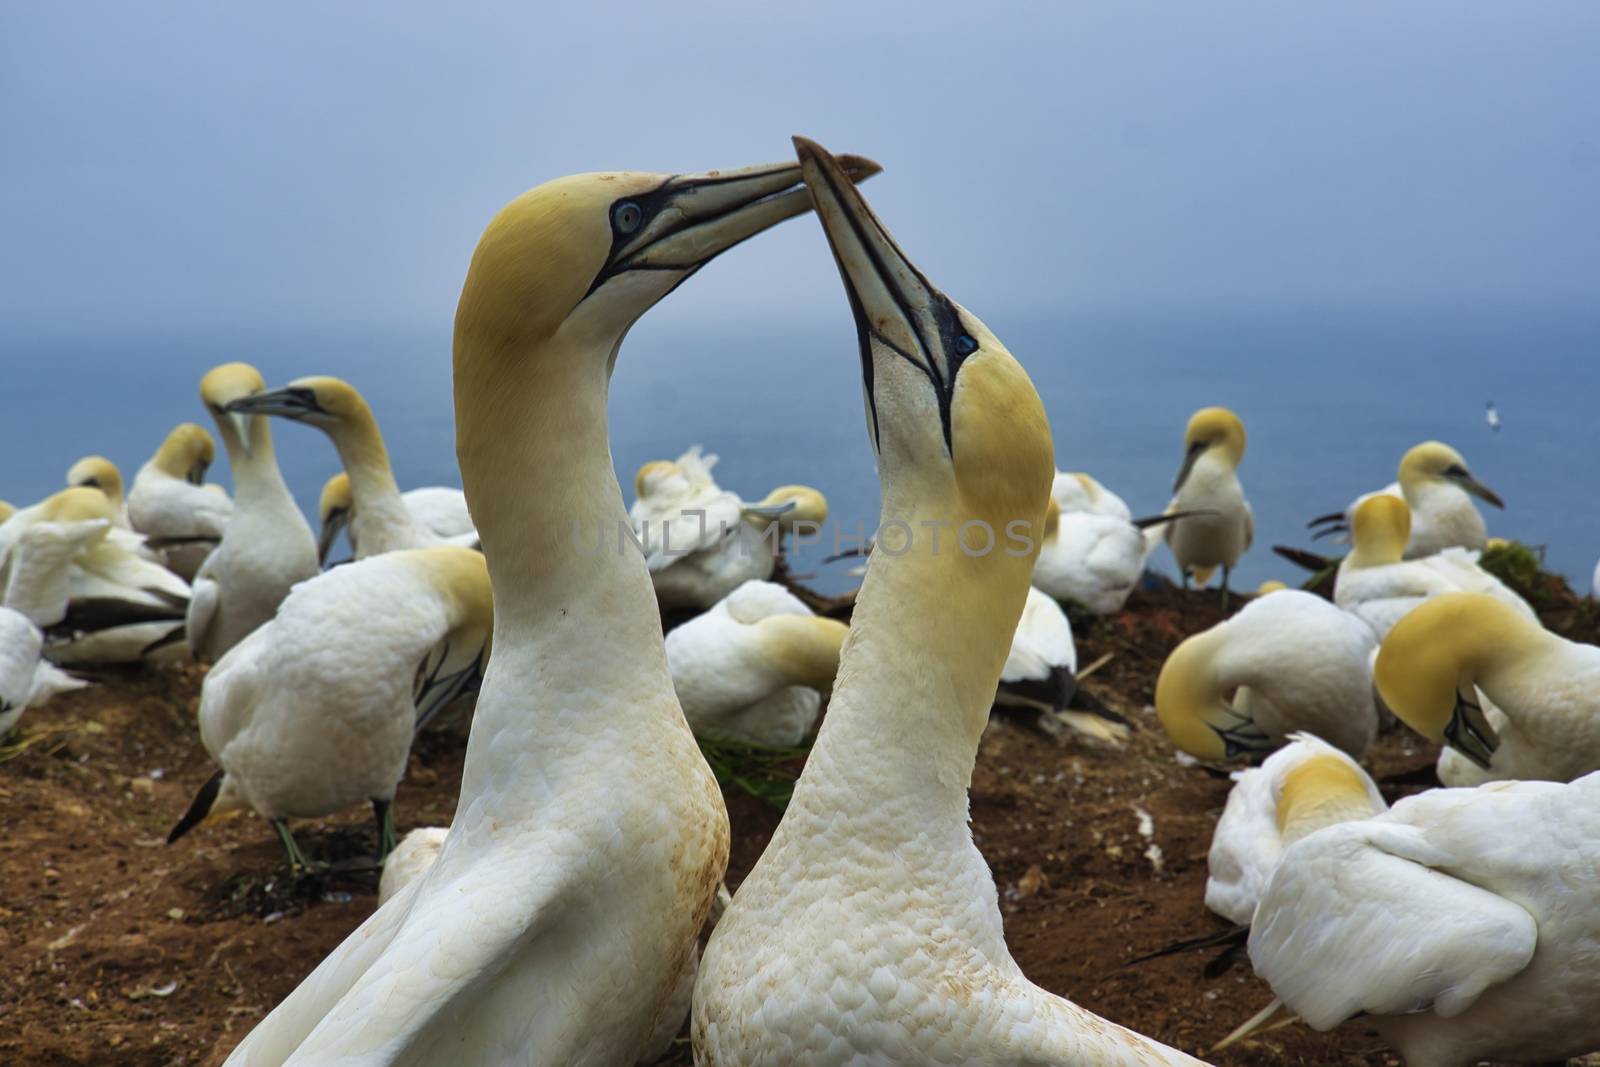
x=121 y=949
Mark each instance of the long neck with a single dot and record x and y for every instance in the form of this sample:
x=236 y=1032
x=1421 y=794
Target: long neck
x=256 y=478
x=381 y=520
x=576 y=622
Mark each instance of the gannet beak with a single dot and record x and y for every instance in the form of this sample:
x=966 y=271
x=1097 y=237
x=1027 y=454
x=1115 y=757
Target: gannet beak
x=1466 y=481
x=695 y=217
x=1189 y=458
x=1470 y=734
x=336 y=521
x=894 y=304
x=291 y=403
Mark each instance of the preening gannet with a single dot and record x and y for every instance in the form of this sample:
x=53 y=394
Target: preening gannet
x=381 y=522
x=1507 y=697
x=1438 y=488
x=1041 y=673
x=314 y=711
x=1286 y=662
x=700 y=541
x=869 y=932
x=267 y=546
x=1461 y=924
x=1379 y=588
x=1208 y=481
x=436 y=508
x=754 y=667
x=1092 y=558
x=590 y=835
x=172 y=505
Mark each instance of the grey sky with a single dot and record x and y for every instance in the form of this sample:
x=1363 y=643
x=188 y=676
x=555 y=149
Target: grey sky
x=334 y=163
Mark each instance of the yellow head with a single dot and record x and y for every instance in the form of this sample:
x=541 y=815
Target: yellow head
x=335 y=508
x=1379 y=531
x=330 y=404
x=225 y=385
x=1214 y=430
x=1322 y=790
x=1193 y=706
x=187 y=453
x=803 y=648
x=653 y=475
x=1434 y=657
x=810 y=508
x=7 y=509
x=1271 y=586
x=77 y=504
x=97 y=472
x=1436 y=462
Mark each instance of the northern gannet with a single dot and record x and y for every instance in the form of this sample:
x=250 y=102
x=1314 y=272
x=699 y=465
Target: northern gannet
x=1077 y=491
x=1208 y=481
x=1287 y=662
x=1437 y=486
x=1379 y=587
x=869 y=931
x=381 y=522
x=1041 y=670
x=701 y=542
x=1461 y=924
x=314 y=711
x=590 y=835
x=171 y=504
x=267 y=546
x=20 y=647
x=438 y=509
x=1507 y=697
x=98 y=472
x=754 y=667
x=1091 y=558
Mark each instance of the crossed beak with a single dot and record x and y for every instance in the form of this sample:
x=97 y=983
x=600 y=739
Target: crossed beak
x=291 y=403
x=1470 y=734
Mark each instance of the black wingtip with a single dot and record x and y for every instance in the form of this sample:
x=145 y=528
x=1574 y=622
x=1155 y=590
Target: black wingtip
x=1234 y=935
x=200 y=807
x=1301 y=558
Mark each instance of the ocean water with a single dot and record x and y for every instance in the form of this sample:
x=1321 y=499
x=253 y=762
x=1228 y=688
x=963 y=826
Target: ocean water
x=1330 y=400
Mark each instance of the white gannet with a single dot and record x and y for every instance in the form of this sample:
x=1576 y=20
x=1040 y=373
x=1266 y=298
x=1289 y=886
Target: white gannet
x=1438 y=488
x=700 y=541
x=98 y=472
x=171 y=504
x=97 y=601
x=1091 y=558
x=754 y=667
x=1507 y=697
x=410 y=859
x=267 y=546
x=437 y=508
x=1077 y=491
x=1040 y=673
x=1461 y=924
x=314 y=711
x=1208 y=481
x=20 y=647
x=1379 y=588
x=590 y=835
x=1286 y=662
x=869 y=931
x=381 y=521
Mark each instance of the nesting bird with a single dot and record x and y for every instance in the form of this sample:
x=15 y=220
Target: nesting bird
x=171 y=504
x=1094 y=558
x=440 y=510
x=1438 y=487
x=1208 y=481
x=1040 y=674
x=1287 y=662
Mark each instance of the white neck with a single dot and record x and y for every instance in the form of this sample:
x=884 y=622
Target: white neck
x=257 y=482
x=382 y=523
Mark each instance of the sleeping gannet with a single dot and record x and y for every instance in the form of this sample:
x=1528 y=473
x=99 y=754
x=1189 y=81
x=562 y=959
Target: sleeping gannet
x=1286 y=662
x=1461 y=924
x=869 y=932
x=98 y=472
x=266 y=547
x=381 y=522
x=1438 y=488
x=701 y=542
x=590 y=835
x=1208 y=481
x=439 y=509
x=1508 y=698
x=314 y=711
x=1041 y=670
x=1379 y=588
x=171 y=504
x=754 y=667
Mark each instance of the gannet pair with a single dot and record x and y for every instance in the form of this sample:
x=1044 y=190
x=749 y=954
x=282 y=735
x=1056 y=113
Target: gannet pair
x=266 y=546
x=1437 y=486
x=869 y=932
x=1508 y=698
x=171 y=504
x=590 y=836
x=1461 y=924
x=438 y=509
x=314 y=711
x=1380 y=588
x=754 y=667
x=701 y=541
x=1287 y=662
x=1208 y=484
x=382 y=522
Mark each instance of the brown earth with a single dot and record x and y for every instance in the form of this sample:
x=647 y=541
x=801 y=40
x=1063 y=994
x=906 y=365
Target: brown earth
x=121 y=949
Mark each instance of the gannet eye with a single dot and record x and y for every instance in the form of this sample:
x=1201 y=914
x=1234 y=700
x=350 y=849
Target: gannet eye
x=626 y=217
x=965 y=345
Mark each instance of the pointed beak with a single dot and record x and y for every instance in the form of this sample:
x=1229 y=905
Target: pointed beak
x=241 y=426
x=1479 y=490
x=1470 y=734
x=332 y=526
x=1189 y=457
x=893 y=302
x=290 y=403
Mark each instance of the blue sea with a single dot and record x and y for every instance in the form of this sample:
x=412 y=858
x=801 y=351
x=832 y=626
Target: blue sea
x=1330 y=399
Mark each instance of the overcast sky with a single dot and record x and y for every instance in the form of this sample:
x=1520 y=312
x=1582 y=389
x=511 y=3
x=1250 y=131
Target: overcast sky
x=309 y=164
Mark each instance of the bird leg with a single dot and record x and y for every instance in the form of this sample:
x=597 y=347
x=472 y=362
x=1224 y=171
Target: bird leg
x=383 y=814
x=297 y=860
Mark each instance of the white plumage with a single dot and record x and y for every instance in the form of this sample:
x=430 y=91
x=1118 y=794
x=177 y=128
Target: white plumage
x=1382 y=595
x=1463 y=923
x=1208 y=481
x=439 y=510
x=1090 y=552
x=170 y=501
x=1438 y=488
x=410 y=859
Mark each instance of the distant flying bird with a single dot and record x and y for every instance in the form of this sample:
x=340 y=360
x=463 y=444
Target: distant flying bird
x=1491 y=415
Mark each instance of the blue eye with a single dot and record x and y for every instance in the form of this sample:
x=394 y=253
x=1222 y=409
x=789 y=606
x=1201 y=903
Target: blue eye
x=626 y=217
x=965 y=345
